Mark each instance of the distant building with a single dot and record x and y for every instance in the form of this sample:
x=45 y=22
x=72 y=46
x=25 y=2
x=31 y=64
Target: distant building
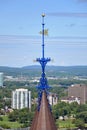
x=79 y=91
x=53 y=98
x=21 y=98
x=1 y=79
x=71 y=99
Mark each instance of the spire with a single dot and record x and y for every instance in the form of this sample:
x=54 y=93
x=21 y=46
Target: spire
x=43 y=119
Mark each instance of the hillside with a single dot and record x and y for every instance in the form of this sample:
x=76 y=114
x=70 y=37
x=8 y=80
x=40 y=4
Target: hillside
x=50 y=71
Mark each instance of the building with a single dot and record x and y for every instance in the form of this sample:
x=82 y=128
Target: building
x=53 y=98
x=79 y=91
x=71 y=99
x=1 y=79
x=21 y=98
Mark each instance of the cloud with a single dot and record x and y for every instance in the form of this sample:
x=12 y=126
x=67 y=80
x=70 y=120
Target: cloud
x=71 y=25
x=67 y=14
x=15 y=41
x=18 y=39
x=82 y=0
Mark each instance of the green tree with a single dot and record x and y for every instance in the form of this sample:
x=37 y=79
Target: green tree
x=1 y=119
x=5 y=126
x=82 y=115
x=61 y=109
x=23 y=117
x=79 y=123
x=82 y=107
x=13 y=116
x=74 y=106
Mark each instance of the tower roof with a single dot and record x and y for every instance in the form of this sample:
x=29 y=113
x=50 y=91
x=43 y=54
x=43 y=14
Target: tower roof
x=43 y=119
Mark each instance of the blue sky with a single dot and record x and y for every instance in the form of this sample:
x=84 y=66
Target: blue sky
x=20 y=23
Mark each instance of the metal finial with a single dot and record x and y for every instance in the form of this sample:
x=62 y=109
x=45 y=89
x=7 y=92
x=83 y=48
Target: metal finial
x=43 y=15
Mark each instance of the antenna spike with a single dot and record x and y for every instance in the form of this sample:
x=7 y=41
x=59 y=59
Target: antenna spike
x=43 y=15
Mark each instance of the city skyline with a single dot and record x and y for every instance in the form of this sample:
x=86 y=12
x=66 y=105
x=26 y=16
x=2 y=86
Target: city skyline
x=20 y=24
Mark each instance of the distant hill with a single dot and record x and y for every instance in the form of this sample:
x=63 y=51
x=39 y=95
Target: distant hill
x=50 y=70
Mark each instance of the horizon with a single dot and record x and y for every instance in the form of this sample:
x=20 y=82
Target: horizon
x=40 y=66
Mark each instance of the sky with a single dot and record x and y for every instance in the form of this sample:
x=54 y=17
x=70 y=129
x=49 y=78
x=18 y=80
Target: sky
x=21 y=22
